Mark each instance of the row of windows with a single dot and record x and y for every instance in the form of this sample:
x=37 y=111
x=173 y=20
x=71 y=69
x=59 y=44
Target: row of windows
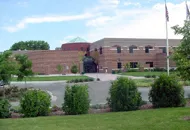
x=131 y=49
x=134 y=64
x=147 y=49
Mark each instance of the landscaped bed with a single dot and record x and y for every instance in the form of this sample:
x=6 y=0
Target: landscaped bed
x=142 y=74
x=166 y=119
x=52 y=78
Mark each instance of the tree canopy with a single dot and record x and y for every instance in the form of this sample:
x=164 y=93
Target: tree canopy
x=30 y=45
x=8 y=66
x=25 y=67
x=182 y=52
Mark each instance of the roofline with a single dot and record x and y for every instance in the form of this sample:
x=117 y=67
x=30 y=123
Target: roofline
x=141 y=38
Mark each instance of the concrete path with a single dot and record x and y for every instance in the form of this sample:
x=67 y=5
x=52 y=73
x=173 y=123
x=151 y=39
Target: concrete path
x=110 y=77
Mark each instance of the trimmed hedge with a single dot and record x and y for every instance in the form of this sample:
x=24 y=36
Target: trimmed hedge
x=80 y=80
x=76 y=100
x=124 y=95
x=166 y=91
x=35 y=103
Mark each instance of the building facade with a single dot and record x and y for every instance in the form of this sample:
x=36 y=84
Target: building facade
x=115 y=53
x=108 y=54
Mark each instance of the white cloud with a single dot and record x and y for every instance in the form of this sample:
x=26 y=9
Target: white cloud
x=133 y=4
x=30 y=20
x=99 y=21
x=114 y=2
x=141 y=23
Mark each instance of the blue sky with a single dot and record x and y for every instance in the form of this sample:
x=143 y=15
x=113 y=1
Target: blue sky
x=58 y=21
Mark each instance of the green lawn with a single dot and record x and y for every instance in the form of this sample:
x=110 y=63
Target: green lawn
x=147 y=82
x=143 y=82
x=159 y=119
x=143 y=73
x=52 y=78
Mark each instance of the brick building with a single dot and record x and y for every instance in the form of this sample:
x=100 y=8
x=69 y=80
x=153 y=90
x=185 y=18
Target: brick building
x=109 y=53
x=114 y=53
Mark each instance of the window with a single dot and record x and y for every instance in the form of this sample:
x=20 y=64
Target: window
x=131 y=48
x=150 y=64
x=88 y=49
x=147 y=49
x=119 y=65
x=100 y=50
x=163 y=49
x=133 y=64
x=81 y=48
x=118 y=49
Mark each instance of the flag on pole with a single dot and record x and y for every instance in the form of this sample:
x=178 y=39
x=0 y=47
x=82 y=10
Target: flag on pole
x=187 y=12
x=167 y=14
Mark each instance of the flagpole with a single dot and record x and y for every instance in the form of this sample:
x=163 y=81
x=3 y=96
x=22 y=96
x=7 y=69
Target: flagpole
x=167 y=44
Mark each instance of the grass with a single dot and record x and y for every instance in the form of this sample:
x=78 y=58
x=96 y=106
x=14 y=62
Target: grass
x=147 y=82
x=143 y=82
x=139 y=74
x=52 y=78
x=158 y=119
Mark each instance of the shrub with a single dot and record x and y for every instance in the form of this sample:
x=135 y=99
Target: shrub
x=80 y=80
x=147 y=76
x=91 y=79
x=35 y=103
x=113 y=72
x=82 y=73
x=76 y=100
x=153 y=76
x=166 y=92
x=4 y=108
x=74 y=69
x=124 y=95
x=86 y=79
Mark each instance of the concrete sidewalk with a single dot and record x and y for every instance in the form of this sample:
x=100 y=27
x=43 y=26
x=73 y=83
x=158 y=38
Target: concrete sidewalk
x=109 y=77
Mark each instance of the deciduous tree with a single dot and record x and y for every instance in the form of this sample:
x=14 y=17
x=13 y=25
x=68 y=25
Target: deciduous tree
x=182 y=52
x=30 y=45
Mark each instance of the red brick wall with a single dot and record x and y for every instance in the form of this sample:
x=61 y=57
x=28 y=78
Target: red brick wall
x=110 y=58
x=75 y=46
x=45 y=62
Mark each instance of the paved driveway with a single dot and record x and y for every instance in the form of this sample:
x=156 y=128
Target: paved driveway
x=98 y=91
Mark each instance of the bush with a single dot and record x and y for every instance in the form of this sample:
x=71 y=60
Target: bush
x=91 y=79
x=35 y=103
x=82 y=73
x=74 y=69
x=4 y=108
x=76 y=100
x=166 y=92
x=113 y=72
x=124 y=95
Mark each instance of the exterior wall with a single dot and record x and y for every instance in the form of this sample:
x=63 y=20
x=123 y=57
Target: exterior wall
x=75 y=46
x=109 y=59
x=45 y=62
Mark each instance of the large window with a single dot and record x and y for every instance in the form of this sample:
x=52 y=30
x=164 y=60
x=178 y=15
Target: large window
x=131 y=48
x=133 y=64
x=118 y=49
x=163 y=49
x=147 y=49
x=150 y=64
x=100 y=50
x=119 y=65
